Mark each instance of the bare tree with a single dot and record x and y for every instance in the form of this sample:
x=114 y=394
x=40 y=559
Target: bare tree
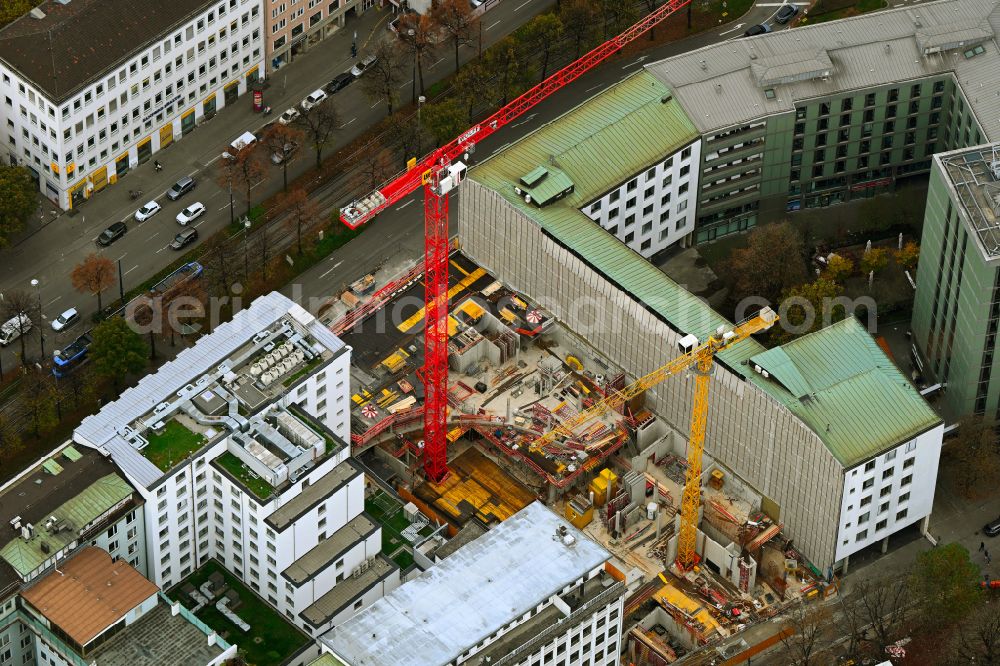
x=281 y=141
x=373 y=168
x=246 y=169
x=974 y=448
x=402 y=131
x=473 y=84
x=93 y=275
x=20 y=305
x=10 y=439
x=874 y=613
x=417 y=31
x=319 y=124
x=382 y=79
x=38 y=400
x=455 y=20
x=617 y=15
x=219 y=254
x=808 y=627
x=301 y=213
x=504 y=60
x=977 y=639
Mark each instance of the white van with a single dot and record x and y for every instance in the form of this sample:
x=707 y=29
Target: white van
x=242 y=141
x=12 y=329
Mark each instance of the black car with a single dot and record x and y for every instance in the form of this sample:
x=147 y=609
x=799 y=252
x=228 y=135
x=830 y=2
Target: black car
x=111 y=234
x=339 y=82
x=184 y=238
x=786 y=13
x=992 y=529
x=757 y=30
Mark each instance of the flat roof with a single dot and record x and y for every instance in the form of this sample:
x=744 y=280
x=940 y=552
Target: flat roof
x=71 y=517
x=329 y=549
x=103 y=430
x=313 y=494
x=973 y=175
x=89 y=593
x=724 y=84
x=843 y=386
x=79 y=41
x=347 y=591
x=158 y=638
x=35 y=494
x=500 y=576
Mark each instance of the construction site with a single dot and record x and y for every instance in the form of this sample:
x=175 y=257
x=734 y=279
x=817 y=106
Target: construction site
x=517 y=378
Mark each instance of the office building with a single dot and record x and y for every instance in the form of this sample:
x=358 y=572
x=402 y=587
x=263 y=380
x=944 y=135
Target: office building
x=238 y=447
x=957 y=303
x=118 y=82
x=292 y=27
x=532 y=590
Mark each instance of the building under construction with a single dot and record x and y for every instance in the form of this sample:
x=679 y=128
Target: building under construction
x=549 y=314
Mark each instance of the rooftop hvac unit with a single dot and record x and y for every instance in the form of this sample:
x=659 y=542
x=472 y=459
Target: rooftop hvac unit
x=256 y=369
x=995 y=168
x=267 y=378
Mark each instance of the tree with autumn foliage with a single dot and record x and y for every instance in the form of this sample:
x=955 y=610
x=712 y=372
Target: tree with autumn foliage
x=281 y=141
x=908 y=255
x=838 y=268
x=772 y=263
x=454 y=19
x=93 y=275
x=417 y=32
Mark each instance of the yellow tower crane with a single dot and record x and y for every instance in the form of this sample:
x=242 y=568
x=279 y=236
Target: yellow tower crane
x=696 y=356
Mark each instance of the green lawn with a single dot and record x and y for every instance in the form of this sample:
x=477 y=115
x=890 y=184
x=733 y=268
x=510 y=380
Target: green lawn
x=387 y=511
x=270 y=641
x=305 y=370
x=258 y=486
x=175 y=444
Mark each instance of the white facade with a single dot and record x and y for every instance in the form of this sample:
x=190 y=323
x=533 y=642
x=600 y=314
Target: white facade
x=79 y=145
x=654 y=209
x=887 y=493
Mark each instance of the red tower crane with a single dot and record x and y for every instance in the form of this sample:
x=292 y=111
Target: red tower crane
x=439 y=172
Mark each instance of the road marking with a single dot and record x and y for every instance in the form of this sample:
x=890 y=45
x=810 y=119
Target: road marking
x=637 y=62
x=527 y=119
x=599 y=85
x=131 y=269
x=520 y=6
x=53 y=301
x=408 y=83
x=161 y=249
x=348 y=123
x=224 y=207
x=404 y=205
x=123 y=256
x=331 y=270
x=376 y=104
x=439 y=61
x=737 y=27
x=494 y=24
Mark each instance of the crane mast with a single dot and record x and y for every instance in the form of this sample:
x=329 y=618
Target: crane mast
x=439 y=172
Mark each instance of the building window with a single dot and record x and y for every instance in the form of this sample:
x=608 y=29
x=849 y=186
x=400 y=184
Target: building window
x=906 y=480
x=900 y=515
x=865 y=501
x=908 y=463
x=870 y=465
x=880 y=525
x=867 y=484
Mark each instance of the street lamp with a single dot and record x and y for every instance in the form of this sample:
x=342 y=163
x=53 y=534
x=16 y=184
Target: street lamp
x=41 y=329
x=246 y=251
x=420 y=103
x=413 y=81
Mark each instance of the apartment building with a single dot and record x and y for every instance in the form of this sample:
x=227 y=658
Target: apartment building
x=532 y=590
x=957 y=303
x=238 y=447
x=97 y=610
x=837 y=111
x=74 y=499
x=119 y=82
x=293 y=26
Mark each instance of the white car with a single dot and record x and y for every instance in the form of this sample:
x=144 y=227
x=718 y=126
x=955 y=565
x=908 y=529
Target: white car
x=65 y=320
x=288 y=116
x=361 y=67
x=314 y=98
x=147 y=211
x=191 y=213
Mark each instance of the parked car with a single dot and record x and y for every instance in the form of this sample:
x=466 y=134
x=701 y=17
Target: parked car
x=147 y=211
x=363 y=65
x=289 y=116
x=13 y=328
x=290 y=148
x=339 y=82
x=992 y=529
x=759 y=29
x=191 y=213
x=184 y=238
x=241 y=142
x=786 y=13
x=180 y=188
x=111 y=234
x=66 y=319
x=313 y=98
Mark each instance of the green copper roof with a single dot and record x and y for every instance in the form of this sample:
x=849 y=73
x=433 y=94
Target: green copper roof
x=327 y=659
x=95 y=500
x=843 y=386
x=598 y=145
